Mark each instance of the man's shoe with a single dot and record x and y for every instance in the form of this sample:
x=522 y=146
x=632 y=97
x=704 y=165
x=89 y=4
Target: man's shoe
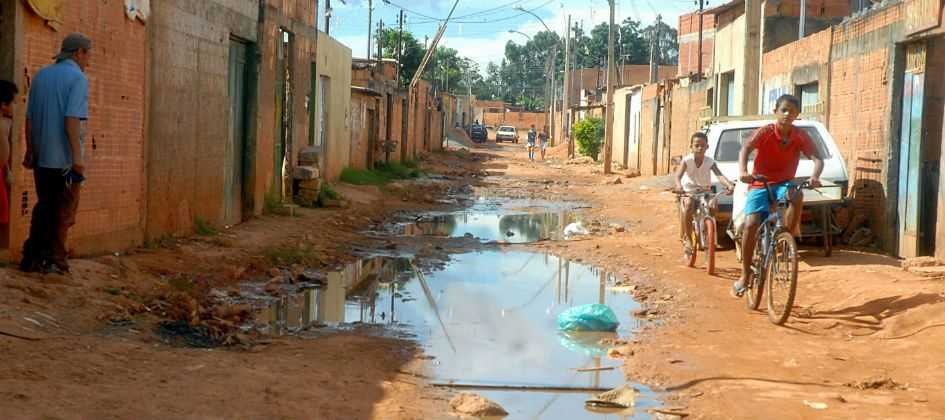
x=30 y=266
x=54 y=268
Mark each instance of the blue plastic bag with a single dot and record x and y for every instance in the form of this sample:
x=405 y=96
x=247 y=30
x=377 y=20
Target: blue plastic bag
x=591 y=317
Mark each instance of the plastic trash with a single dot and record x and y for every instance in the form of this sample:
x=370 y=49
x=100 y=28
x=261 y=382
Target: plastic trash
x=575 y=228
x=588 y=343
x=591 y=317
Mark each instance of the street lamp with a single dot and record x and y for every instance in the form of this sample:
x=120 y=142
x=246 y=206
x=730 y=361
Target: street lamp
x=554 y=58
x=512 y=31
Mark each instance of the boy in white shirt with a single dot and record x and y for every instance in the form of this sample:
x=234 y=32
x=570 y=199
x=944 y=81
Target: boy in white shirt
x=695 y=174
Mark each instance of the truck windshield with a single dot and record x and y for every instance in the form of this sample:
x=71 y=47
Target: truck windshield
x=730 y=143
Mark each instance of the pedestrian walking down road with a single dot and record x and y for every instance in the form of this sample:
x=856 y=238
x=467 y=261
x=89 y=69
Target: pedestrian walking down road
x=532 y=135
x=8 y=92
x=56 y=115
x=543 y=142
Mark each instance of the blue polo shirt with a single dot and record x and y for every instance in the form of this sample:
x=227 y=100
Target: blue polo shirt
x=58 y=91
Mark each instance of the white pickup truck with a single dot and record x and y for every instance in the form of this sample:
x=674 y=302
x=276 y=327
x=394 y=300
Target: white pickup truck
x=725 y=142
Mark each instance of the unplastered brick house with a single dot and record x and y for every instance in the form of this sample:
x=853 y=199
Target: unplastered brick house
x=199 y=110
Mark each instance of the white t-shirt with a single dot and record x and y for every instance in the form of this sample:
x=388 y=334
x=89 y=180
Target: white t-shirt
x=697 y=177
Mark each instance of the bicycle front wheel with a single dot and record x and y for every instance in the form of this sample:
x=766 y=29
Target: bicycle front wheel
x=781 y=278
x=756 y=279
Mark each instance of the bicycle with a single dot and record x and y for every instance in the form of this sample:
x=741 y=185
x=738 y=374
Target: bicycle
x=774 y=263
x=703 y=229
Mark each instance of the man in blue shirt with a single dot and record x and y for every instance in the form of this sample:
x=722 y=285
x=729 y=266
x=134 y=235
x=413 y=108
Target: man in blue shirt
x=56 y=114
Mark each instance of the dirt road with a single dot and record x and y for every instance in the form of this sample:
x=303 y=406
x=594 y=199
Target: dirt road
x=864 y=342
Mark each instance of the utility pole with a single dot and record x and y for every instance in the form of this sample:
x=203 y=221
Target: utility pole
x=400 y=44
x=554 y=92
x=654 y=50
x=611 y=73
x=370 y=12
x=566 y=91
x=327 y=17
x=380 y=43
x=699 y=61
x=800 y=29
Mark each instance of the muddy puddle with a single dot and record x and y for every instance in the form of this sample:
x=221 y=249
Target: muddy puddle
x=502 y=227
x=488 y=320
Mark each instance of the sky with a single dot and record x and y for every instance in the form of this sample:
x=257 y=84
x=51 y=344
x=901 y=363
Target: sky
x=480 y=28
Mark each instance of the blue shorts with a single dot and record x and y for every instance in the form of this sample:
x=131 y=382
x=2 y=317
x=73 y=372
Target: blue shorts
x=757 y=200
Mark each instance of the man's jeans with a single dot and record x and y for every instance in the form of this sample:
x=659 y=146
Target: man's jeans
x=53 y=215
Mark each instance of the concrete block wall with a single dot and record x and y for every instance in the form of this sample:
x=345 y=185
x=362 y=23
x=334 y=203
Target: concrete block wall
x=113 y=199
x=861 y=109
x=688 y=104
x=798 y=63
x=189 y=110
x=649 y=158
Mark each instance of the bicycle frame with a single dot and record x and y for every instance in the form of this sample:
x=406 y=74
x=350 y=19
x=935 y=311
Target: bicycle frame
x=702 y=212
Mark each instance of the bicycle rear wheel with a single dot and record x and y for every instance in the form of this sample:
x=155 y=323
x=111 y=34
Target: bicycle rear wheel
x=782 y=278
x=709 y=238
x=756 y=280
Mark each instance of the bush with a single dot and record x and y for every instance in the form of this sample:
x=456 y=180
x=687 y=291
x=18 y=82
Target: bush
x=381 y=174
x=589 y=134
x=203 y=227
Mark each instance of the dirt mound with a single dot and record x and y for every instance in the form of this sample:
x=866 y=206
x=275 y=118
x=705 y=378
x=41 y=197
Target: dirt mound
x=914 y=321
x=475 y=405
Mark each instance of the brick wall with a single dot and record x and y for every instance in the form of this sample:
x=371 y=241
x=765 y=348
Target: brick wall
x=801 y=62
x=688 y=40
x=112 y=206
x=633 y=74
x=189 y=110
x=688 y=104
x=519 y=120
x=860 y=111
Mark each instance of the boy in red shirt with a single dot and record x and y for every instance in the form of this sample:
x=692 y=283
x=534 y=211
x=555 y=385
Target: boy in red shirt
x=779 y=148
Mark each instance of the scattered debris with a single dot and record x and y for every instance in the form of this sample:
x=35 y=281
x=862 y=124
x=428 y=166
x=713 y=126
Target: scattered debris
x=467 y=403
x=575 y=229
x=816 y=405
x=622 y=397
x=877 y=382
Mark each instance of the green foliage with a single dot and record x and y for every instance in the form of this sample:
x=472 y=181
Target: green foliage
x=381 y=174
x=327 y=192
x=203 y=227
x=273 y=205
x=589 y=134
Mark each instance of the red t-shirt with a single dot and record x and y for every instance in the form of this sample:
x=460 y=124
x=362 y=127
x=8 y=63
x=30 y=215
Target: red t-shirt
x=776 y=162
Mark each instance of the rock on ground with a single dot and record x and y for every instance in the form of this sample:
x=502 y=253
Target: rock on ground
x=470 y=404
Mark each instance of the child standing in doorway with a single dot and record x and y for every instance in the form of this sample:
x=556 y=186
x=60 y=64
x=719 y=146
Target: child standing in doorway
x=8 y=92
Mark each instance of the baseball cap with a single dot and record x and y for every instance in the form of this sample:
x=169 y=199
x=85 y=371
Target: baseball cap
x=72 y=43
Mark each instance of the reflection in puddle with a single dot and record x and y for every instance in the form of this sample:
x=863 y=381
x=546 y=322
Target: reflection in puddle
x=511 y=228
x=489 y=319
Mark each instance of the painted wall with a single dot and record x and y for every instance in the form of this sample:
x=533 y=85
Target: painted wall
x=334 y=61
x=729 y=56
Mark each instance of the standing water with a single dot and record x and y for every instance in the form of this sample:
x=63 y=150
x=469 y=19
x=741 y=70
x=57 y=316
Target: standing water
x=489 y=320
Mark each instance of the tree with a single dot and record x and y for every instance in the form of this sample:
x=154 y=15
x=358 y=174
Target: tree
x=410 y=57
x=589 y=135
x=668 y=43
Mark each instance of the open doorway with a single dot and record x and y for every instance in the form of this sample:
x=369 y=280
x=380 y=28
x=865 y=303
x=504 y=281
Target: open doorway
x=237 y=159
x=284 y=101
